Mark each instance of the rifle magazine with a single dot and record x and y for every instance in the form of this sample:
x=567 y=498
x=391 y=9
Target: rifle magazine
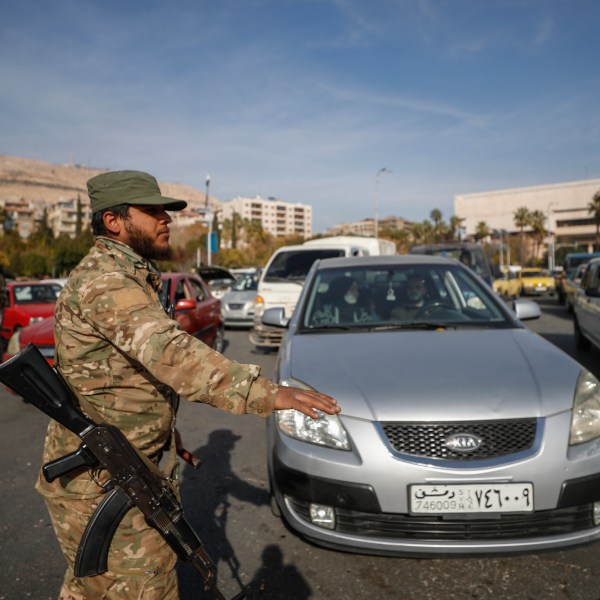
x=92 y=554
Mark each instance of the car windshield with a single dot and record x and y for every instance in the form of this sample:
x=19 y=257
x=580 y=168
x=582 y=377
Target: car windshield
x=403 y=296
x=220 y=283
x=36 y=294
x=248 y=283
x=294 y=265
x=471 y=256
x=535 y=273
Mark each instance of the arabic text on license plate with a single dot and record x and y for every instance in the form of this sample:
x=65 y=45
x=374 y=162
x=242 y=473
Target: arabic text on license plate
x=471 y=498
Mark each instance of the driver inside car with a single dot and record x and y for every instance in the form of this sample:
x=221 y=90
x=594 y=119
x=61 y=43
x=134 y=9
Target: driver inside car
x=415 y=297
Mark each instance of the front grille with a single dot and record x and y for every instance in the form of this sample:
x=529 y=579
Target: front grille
x=543 y=523
x=429 y=440
x=235 y=305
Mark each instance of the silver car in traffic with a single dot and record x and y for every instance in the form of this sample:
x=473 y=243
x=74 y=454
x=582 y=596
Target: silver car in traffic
x=461 y=432
x=238 y=305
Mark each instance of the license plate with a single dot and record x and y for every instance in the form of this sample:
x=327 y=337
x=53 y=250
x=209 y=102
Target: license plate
x=471 y=498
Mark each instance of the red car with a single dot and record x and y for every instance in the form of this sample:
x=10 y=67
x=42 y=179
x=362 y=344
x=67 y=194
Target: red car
x=27 y=302
x=196 y=311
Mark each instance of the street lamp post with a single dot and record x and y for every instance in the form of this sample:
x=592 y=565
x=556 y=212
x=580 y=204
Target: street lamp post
x=551 y=257
x=209 y=217
x=376 y=221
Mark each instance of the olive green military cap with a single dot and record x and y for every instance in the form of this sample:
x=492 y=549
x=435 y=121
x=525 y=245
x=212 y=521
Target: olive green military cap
x=128 y=187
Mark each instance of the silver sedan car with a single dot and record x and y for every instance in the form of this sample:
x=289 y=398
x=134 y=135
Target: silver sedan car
x=237 y=305
x=461 y=431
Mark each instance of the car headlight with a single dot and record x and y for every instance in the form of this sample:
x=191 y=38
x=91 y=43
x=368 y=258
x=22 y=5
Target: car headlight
x=326 y=431
x=35 y=320
x=14 y=344
x=585 y=425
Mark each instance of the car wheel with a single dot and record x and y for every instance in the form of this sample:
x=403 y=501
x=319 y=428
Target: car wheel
x=581 y=342
x=219 y=343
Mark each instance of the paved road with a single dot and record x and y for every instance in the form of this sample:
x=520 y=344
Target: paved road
x=227 y=501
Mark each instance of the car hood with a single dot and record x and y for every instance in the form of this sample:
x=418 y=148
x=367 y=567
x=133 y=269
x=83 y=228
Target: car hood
x=430 y=375
x=40 y=333
x=41 y=309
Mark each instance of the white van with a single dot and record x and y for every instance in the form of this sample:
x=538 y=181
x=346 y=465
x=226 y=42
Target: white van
x=283 y=277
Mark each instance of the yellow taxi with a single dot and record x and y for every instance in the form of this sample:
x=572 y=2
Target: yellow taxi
x=536 y=282
x=507 y=285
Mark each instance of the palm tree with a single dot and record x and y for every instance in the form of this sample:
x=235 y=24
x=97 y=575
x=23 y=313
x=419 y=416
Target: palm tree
x=436 y=217
x=482 y=231
x=521 y=219
x=594 y=210
x=418 y=232
x=455 y=224
x=537 y=220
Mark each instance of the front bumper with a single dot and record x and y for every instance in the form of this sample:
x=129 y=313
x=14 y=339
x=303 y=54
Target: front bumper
x=538 y=290
x=369 y=496
x=266 y=337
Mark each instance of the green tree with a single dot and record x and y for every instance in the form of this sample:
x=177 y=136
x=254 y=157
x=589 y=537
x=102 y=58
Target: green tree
x=521 y=220
x=482 y=231
x=42 y=236
x=455 y=226
x=418 y=233
x=594 y=210
x=537 y=221
x=79 y=217
x=438 y=223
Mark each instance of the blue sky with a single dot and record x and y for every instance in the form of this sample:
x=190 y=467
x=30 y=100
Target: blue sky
x=306 y=100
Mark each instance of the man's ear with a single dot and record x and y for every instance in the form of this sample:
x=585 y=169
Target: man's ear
x=112 y=222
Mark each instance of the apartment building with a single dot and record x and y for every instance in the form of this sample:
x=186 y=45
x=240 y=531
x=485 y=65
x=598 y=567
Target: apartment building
x=63 y=216
x=366 y=227
x=276 y=216
x=19 y=215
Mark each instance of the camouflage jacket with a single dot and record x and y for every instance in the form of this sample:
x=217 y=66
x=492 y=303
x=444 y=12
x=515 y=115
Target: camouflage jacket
x=117 y=347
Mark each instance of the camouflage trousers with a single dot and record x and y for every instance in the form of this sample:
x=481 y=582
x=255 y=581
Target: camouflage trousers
x=140 y=563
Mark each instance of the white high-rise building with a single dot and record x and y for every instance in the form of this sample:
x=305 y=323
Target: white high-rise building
x=276 y=216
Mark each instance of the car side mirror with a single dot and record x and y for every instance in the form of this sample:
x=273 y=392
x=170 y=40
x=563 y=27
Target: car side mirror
x=526 y=310
x=275 y=317
x=185 y=304
x=592 y=292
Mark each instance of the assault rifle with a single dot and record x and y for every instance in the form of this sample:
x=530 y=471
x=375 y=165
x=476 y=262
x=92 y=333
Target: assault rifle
x=134 y=479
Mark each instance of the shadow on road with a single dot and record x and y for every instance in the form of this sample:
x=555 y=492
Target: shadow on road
x=206 y=492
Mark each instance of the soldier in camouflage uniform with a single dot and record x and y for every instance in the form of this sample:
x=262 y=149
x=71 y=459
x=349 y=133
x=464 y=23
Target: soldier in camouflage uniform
x=129 y=362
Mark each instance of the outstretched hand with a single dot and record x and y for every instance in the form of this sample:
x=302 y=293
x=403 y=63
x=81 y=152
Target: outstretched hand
x=306 y=401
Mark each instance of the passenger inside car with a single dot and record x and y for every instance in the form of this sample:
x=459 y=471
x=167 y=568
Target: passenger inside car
x=344 y=302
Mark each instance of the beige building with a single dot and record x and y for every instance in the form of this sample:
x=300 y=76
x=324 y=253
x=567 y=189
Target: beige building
x=62 y=216
x=20 y=216
x=564 y=204
x=366 y=227
x=276 y=216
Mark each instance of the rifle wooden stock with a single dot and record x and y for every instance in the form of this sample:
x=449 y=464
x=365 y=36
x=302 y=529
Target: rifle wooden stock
x=135 y=481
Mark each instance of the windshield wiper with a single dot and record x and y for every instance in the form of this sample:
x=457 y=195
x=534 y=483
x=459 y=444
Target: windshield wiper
x=412 y=325
x=328 y=329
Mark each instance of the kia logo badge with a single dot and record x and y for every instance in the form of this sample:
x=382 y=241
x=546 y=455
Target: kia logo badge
x=463 y=442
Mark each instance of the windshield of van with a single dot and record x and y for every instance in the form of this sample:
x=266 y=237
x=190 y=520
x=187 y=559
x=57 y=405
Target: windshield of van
x=471 y=256
x=294 y=265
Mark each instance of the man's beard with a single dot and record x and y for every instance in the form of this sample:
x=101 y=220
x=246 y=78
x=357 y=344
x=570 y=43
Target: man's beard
x=145 y=245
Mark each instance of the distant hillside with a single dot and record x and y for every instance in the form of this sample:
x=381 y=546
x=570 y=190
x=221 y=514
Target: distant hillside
x=37 y=181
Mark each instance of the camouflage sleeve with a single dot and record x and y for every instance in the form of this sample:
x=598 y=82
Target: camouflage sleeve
x=122 y=312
